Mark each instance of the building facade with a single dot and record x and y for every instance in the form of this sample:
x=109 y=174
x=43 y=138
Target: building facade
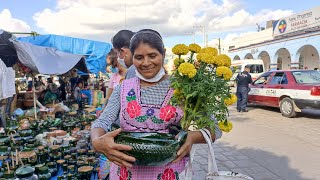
x=289 y=43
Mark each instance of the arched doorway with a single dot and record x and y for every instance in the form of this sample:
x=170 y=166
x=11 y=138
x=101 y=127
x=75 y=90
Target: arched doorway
x=283 y=59
x=236 y=57
x=264 y=55
x=248 y=56
x=308 y=57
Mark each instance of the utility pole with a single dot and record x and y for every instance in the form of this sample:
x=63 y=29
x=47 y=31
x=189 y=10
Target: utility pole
x=219 y=46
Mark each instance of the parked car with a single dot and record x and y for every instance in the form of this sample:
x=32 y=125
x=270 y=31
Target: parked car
x=290 y=90
x=256 y=69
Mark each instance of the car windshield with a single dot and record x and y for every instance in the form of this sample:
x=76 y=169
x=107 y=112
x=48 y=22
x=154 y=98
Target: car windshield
x=307 y=77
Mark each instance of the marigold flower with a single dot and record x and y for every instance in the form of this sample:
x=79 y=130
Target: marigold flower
x=224 y=72
x=192 y=73
x=180 y=49
x=187 y=69
x=231 y=100
x=194 y=48
x=210 y=50
x=208 y=58
x=224 y=60
x=178 y=61
x=225 y=126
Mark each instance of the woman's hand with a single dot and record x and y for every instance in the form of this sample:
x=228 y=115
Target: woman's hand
x=194 y=137
x=105 y=144
x=186 y=147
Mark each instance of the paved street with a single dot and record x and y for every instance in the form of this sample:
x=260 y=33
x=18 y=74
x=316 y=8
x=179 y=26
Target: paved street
x=267 y=146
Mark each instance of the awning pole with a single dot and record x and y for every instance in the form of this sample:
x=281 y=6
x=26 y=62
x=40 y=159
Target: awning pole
x=34 y=98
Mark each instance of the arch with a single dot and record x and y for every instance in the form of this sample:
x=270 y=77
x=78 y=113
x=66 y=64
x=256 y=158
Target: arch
x=264 y=55
x=308 y=57
x=283 y=59
x=248 y=56
x=236 y=57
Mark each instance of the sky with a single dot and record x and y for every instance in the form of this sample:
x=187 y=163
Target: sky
x=176 y=20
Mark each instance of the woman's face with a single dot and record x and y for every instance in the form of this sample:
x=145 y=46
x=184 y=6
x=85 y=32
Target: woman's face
x=147 y=60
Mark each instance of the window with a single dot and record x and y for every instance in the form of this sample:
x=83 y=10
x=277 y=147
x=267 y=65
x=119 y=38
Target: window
x=279 y=78
x=307 y=77
x=256 y=68
x=263 y=79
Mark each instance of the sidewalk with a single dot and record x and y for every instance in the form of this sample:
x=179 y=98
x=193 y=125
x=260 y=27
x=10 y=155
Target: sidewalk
x=229 y=159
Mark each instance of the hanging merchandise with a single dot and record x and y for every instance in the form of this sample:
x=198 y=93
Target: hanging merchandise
x=7 y=81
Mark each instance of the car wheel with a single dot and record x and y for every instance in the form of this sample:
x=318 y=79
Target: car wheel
x=287 y=108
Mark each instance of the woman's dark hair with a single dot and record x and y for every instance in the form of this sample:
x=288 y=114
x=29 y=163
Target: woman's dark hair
x=113 y=58
x=149 y=36
x=49 y=80
x=122 y=39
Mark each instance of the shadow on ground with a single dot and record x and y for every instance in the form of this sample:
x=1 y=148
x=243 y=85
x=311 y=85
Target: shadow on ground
x=307 y=113
x=259 y=164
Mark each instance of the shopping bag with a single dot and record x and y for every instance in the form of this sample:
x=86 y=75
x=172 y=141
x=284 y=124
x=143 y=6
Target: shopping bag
x=213 y=172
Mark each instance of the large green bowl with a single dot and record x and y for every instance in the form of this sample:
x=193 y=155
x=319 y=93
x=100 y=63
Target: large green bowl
x=151 y=149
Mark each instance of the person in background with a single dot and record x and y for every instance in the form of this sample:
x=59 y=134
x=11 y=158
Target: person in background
x=74 y=79
x=62 y=89
x=30 y=83
x=243 y=80
x=103 y=88
x=121 y=42
x=77 y=89
x=118 y=73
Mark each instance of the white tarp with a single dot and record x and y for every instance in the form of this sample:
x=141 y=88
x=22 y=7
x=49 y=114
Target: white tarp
x=45 y=60
x=7 y=81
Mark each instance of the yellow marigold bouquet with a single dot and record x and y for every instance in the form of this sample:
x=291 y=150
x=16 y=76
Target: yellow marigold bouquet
x=201 y=89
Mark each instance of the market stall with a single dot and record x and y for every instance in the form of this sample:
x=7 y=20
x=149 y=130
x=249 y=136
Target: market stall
x=36 y=142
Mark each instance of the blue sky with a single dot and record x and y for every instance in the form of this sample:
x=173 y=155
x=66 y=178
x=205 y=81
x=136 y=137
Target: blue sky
x=25 y=10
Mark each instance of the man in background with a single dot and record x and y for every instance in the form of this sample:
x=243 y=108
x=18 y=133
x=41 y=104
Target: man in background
x=121 y=43
x=243 y=80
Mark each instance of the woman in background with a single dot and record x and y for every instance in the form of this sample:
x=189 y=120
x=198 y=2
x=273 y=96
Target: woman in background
x=118 y=73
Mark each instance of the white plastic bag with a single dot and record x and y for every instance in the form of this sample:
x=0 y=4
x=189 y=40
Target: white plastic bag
x=213 y=172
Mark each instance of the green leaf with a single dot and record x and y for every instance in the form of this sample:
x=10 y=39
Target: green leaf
x=141 y=119
x=131 y=98
x=156 y=120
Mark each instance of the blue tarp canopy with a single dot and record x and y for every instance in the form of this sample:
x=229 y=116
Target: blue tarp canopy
x=94 y=51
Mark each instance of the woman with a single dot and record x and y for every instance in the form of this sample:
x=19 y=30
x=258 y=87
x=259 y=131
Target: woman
x=151 y=89
x=118 y=72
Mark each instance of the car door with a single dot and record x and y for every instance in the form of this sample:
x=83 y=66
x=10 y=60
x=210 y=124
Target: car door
x=257 y=91
x=275 y=87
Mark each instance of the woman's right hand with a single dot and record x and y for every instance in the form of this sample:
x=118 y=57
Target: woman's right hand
x=105 y=144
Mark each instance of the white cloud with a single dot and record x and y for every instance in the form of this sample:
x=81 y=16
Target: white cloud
x=96 y=19
x=9 y=23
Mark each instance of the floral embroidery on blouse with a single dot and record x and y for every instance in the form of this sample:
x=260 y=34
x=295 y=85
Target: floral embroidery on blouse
x=168 y=174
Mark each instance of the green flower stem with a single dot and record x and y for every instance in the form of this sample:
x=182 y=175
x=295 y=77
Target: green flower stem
x=191 y=56
x=197 y=104
x=185 y=116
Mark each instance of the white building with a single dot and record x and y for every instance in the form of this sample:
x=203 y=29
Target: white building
x=288 y=43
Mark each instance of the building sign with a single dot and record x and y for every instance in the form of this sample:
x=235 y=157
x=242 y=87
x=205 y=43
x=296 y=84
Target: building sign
x=301 y=21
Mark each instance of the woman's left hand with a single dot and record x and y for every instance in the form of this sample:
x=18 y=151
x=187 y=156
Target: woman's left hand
x=186 y=147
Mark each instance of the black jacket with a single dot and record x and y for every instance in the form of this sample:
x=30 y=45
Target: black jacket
x=243 y=79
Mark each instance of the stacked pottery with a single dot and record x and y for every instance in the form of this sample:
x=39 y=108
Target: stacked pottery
x=55 y=153
x=53 y=168
x=42 y=154
x=26 y=173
